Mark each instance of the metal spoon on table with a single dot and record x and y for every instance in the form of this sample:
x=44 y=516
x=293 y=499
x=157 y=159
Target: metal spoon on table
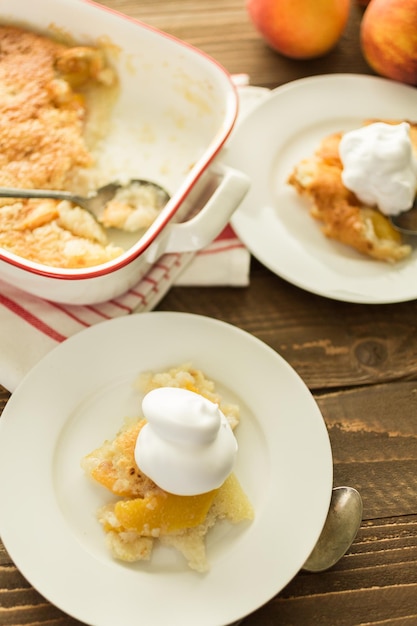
x=406 y=222
x=339 y=530
x=96 y=200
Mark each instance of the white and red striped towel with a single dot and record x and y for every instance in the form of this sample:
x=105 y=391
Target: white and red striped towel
x=30 y=326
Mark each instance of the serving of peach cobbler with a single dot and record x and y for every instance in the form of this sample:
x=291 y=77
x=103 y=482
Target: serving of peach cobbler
x=344 y=216
x=143 y=513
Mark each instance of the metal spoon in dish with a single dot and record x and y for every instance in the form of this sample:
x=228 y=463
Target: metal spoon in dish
x=406 y=222
x=95 y=202
x=339 y=530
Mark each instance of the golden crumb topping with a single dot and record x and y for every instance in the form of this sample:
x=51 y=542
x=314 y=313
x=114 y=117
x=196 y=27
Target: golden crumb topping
x=43 y=111
x=41 y=117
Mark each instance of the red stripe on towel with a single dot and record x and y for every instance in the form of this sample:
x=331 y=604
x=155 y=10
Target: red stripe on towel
x=225 y=248
x=69 y=313
x=227 y=233
x=97 y=311
x=31 y=319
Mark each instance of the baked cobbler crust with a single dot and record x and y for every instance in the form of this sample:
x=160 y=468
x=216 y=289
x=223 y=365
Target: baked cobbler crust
x=45 y=89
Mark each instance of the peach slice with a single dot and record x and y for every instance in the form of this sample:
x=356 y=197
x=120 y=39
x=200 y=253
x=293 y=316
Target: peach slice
x=163 y=513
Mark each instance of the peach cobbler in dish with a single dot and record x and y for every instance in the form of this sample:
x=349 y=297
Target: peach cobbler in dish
x=347 y=216
x=55 y=107
x=143 y=512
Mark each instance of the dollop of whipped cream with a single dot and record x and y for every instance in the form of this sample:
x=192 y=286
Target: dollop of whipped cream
x=187 y=446
x=379 y=166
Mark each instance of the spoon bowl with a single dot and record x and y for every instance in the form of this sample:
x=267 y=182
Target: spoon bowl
x=339 y=530
x=406 y=222
x=96 y=201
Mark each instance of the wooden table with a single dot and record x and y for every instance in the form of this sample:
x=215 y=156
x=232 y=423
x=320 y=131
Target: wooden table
x=359 y=361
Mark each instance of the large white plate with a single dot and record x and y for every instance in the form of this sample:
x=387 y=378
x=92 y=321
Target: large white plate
x=79 y=394
x=274 y=222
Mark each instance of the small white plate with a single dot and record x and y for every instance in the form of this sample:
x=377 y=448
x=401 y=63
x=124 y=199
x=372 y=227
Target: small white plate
x=274 y=222
x=79 y=394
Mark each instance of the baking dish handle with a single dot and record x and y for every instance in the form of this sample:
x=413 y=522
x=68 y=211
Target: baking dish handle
x=201 y=229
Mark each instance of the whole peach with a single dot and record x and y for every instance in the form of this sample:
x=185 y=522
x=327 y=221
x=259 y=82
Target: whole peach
x=389 y=39
x=300 y=29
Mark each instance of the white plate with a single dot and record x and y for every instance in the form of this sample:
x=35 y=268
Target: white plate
x=79 y=394
x=274 y=222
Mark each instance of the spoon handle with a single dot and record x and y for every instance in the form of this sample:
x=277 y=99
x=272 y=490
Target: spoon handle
x=10 y=192
x=406 y=222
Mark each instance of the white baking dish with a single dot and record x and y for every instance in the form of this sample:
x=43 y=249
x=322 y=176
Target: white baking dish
x=175 y=110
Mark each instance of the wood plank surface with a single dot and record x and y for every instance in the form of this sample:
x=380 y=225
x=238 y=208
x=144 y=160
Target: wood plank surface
x=331 y=344
x=359 y=361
